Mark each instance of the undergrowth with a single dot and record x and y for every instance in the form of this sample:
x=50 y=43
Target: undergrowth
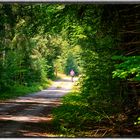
x=76 y=118
x=21 y=90
x=74 y=115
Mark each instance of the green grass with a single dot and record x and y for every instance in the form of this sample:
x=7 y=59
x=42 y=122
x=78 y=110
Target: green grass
x=21 y=90
x=72 y=114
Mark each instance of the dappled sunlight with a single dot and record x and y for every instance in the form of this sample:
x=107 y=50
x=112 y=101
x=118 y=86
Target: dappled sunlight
x=30 y=107
x=70 y=69
x=35 y=100
x=5 y=106
x=30 y=133
x=64 y=80
x=32 y=111
x=36 y=134
x=57 y=90
x=33 y=119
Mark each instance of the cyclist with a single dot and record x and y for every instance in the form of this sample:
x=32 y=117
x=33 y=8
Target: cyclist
x=72 y=73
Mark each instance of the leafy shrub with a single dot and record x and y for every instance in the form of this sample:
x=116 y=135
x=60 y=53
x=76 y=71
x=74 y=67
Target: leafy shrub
x=128 y=68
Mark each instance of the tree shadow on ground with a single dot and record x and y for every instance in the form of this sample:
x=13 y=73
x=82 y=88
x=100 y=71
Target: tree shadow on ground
x=29 y=129
x=24 y=121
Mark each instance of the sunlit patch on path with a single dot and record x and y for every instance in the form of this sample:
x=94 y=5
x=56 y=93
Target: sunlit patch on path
x=26 y=116
x=34 y=119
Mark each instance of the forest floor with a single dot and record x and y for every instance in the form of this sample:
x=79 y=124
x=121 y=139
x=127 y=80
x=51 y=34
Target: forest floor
x=31 y=115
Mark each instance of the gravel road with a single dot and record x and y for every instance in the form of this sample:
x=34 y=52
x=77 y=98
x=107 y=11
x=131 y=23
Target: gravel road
x=30 y=116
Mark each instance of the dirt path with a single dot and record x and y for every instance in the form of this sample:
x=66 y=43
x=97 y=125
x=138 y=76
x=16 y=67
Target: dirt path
x=30 y=116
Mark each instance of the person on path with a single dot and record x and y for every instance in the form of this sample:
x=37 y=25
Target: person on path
x=72 y=73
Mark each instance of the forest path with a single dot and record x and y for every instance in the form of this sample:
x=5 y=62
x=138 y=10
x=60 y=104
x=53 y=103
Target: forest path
x=31 y=115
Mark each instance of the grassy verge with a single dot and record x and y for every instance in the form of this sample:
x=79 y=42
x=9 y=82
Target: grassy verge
x=21 y=90
x=74 y=118
x=70 y=117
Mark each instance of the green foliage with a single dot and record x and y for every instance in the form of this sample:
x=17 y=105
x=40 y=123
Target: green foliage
x=27 y=50
x=33 y=46
x=128 y=68
x=21 y=90
x=98 y=85
x=98 y=89
x=72 y=113
x=75 y=114
x=69 y=59
x=70 y=64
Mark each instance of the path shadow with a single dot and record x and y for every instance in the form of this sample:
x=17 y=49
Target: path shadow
x=29 y=129
x=30 y=116
x=32 y=125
